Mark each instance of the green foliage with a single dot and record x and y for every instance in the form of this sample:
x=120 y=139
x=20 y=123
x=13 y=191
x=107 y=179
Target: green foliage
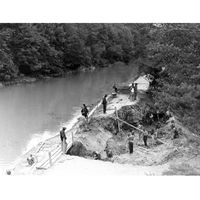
x=178 y=86
x=8 y=69
x=52 y=49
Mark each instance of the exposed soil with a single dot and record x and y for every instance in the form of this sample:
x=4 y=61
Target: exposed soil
x=103 y=138
x=102 y=135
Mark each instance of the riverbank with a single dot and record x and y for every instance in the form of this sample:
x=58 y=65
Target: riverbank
x=22 y=79
x=21 y=164
x=103 y=134
x=28 y=80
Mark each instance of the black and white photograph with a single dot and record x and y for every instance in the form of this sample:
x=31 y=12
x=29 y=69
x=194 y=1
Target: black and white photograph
x=111 y=98
x=100 y=97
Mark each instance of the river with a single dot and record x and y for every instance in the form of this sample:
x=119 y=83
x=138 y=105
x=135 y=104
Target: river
x=33 y=112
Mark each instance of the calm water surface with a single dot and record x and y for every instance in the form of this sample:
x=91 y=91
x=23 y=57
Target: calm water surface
x=33 y=112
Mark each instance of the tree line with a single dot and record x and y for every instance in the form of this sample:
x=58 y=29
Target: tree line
x=39 y=50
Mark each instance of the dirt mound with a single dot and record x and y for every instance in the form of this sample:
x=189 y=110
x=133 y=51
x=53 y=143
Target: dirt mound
x=116 y=145
x=93 y=135
x=130 y=114
x=101 y=137
x=78 y=149
x=107 y=123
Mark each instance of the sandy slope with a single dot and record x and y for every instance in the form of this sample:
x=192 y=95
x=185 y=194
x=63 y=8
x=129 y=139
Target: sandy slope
x=72 y=165
x=172 y=157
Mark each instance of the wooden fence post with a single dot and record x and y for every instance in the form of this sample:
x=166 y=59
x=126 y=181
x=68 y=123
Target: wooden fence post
x=118 y=124
x=50 y=160
x=72 y=137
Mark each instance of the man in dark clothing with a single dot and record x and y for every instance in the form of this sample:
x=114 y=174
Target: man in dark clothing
x=150 y=118
x=63 y=140
x=104 y=102
x=85 y=112
x=130 y=142
x=135 y=91
x=145 y=136
x=108 y=152
x=115 y=88
x=172 y=124
x=176 y=133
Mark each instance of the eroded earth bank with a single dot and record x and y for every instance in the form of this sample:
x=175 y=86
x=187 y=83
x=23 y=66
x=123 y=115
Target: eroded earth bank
x=102 y=142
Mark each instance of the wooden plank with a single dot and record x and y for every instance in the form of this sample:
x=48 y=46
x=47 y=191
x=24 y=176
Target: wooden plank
x=40 y=147
x=160 y=141
x=143 y=149
x=50 y=159
x=116 y=113
x=130 y=125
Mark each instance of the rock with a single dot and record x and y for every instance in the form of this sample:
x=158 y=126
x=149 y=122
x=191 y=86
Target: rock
x=8 y=172
x=78 y=149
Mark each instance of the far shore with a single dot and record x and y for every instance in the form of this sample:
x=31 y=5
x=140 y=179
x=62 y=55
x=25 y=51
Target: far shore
x=28 y=79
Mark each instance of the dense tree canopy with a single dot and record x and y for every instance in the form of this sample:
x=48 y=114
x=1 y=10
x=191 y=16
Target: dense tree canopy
x=175 y=48
x=52 y=49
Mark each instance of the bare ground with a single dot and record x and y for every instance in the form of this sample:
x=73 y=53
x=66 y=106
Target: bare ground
x=165 y=156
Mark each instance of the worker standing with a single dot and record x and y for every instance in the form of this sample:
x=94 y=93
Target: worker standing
x=140 y=133
x=172 y=125
x=130 y=142
x=135 y=90
x=145 y=136
x=131 y=91
x=115 y=88
x=85 y=112
x=63 y=139
x=176 y=133
x=104 y=103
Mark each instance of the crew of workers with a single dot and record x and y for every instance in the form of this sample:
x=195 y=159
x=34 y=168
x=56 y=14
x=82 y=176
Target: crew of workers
x=153 y=133
x=130 y=139
x=144 y=134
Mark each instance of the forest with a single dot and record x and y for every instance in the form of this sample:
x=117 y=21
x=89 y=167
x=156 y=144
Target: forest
x=52 y=49
x=170 y=52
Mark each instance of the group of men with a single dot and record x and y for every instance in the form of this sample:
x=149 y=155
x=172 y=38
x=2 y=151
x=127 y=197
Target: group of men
x=84 y=112
x=130 y=139
x=152 y=133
